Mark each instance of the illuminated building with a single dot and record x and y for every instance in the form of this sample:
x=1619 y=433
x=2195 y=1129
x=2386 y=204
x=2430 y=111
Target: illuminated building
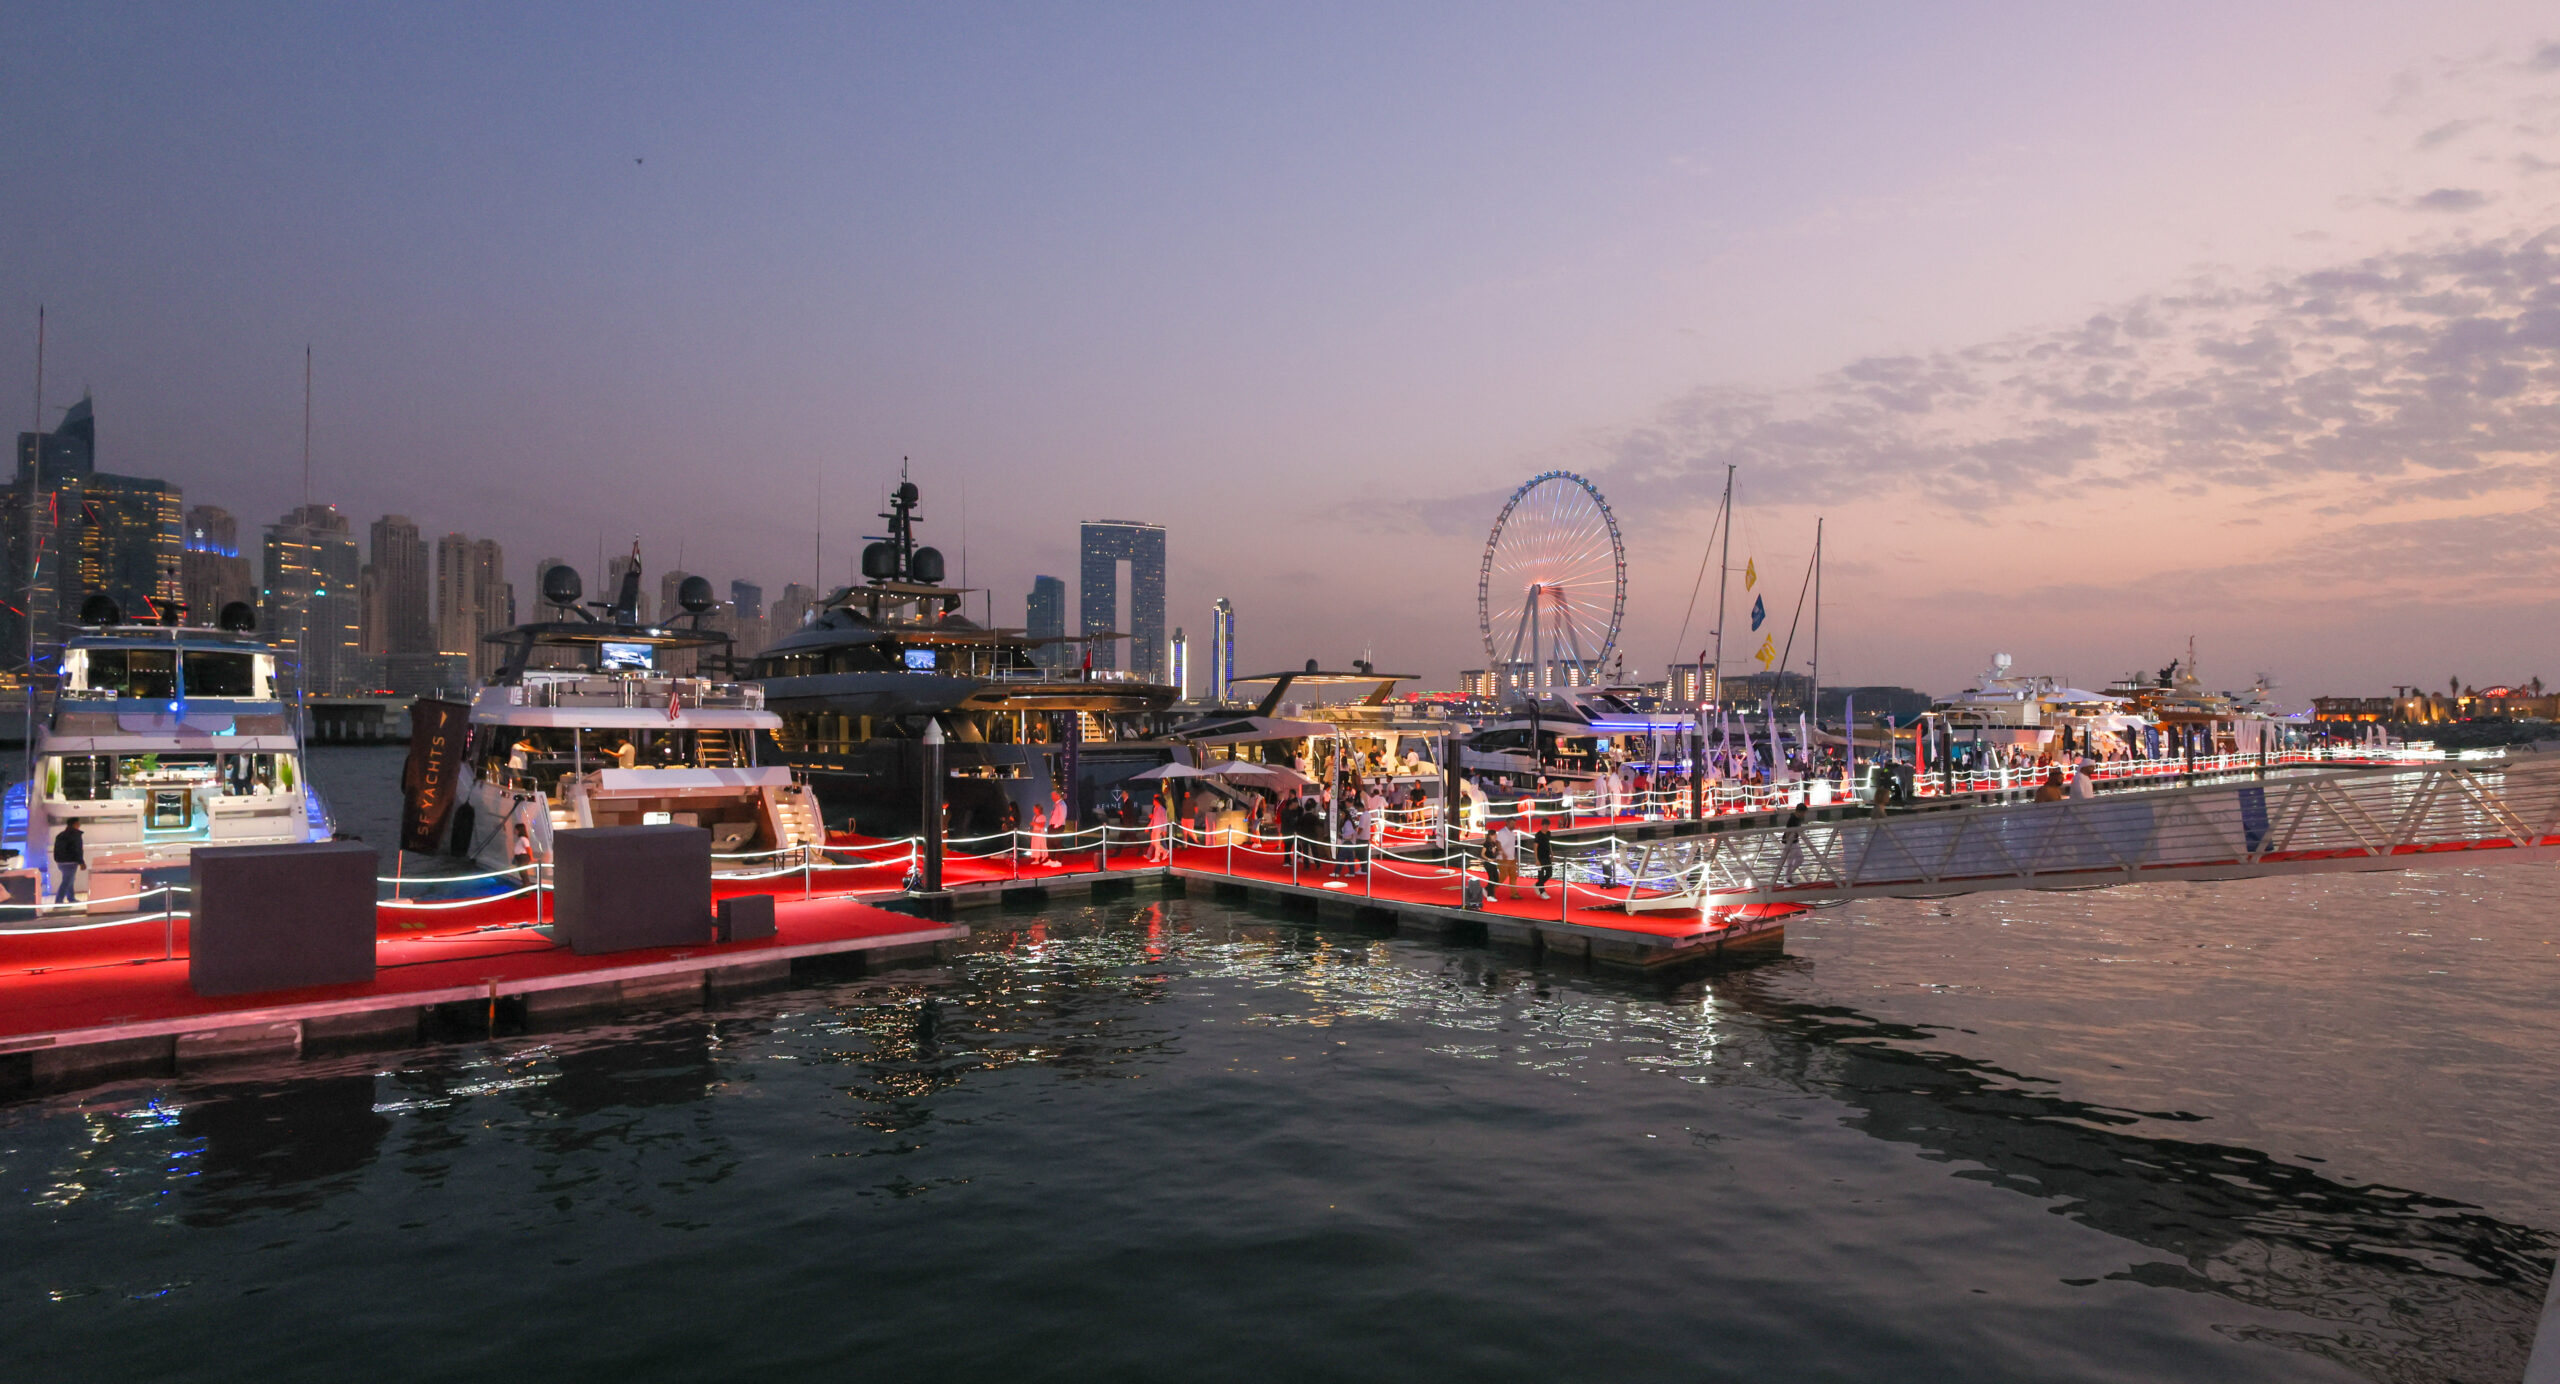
x=1222 y=649
x=1105 y=545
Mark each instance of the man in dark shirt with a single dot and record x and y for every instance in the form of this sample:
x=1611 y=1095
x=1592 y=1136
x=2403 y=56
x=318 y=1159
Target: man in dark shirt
x=69 y=856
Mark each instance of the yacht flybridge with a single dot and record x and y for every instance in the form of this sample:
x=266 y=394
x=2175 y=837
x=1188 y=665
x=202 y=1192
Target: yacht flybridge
x=160 y=739
x=589 y=723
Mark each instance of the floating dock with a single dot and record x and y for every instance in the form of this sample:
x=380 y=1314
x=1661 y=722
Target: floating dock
x=114 y=1001
x=1423 y=899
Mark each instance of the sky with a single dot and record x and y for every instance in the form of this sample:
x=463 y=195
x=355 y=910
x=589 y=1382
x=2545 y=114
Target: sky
x=2084 y=331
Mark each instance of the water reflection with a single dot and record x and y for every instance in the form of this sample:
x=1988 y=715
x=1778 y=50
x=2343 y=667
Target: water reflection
x=2394 y=1285
x=278 y=1146
x=2407 y=1285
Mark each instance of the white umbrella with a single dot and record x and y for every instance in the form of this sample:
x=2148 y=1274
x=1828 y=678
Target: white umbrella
x=1247 y=769
x=1174 y=771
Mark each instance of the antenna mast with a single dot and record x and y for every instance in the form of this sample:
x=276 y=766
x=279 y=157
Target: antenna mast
x=306 y=425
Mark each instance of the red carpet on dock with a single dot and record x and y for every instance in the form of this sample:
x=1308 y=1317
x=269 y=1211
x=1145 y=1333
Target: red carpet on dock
x=116 y=975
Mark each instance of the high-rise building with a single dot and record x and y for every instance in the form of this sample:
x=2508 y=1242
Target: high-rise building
x=1181 y=663
x=791 y=608
x=748 y=598
x=1476 y=682
x=98 y=535
x=211 y=571
x=473 y=598
x=1105 y=545
x=1045 y=617
x=1222 y=649
x=398 y=590
x=68 y=455
x=124 y=541
x=308 y=604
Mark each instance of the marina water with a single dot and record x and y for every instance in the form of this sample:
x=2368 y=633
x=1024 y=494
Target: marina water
x=2279 y=1130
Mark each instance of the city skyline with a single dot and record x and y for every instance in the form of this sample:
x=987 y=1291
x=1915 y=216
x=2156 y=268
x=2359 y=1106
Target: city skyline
x=2065 y=384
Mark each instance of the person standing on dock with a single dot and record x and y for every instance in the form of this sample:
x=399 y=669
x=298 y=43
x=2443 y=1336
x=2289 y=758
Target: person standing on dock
x=1506 y=855
x=1544 y=846
x=71 y=856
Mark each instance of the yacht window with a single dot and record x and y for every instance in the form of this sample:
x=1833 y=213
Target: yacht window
x=88 y=776
x=216 y=673
x=134 y=672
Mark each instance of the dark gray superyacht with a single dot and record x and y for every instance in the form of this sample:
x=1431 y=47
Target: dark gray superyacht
x=857 y=685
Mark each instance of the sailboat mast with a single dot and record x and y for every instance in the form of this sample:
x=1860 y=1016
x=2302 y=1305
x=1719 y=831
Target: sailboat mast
x=35 y=552
x=1813 y=664
x=1724 y=573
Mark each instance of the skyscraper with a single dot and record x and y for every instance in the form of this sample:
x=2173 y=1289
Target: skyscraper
x=398 y=589
x=791 y=608
x=1181 y=663
x=309 y=601
x=473 y=598
x=1222 y=649
x=1045 y=617
x=123 y=541
x=1106 y=544
x=211 y=572
x=98 y=535
x=68 y=453
x=748 y=598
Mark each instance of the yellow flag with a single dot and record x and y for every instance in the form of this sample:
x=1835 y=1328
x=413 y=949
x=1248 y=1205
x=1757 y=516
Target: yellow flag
x=1750 y=574
x=1768 y=652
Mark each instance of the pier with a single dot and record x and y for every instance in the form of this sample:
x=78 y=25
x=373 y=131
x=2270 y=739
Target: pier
x=83 y=998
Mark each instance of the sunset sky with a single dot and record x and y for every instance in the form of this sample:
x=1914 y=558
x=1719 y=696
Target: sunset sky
x=2086 y=329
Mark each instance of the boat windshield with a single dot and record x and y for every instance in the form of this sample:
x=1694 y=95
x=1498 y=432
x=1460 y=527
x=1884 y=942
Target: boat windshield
x=220 y=673
x=143 y=673
x=538 y=757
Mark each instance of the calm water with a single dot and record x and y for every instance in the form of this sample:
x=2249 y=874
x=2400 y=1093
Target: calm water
x=2267 y=1131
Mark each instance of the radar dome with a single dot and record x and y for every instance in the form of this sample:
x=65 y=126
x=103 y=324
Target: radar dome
x=879 y=562
x=560 y=585
x=100 y=610
x=694 y=594
x=926 y=566
x=237 y=617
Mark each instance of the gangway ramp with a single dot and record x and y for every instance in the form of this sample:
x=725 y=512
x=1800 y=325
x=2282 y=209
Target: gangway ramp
x=2325 y=821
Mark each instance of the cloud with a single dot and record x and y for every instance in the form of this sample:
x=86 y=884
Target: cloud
x=2445 y=133
x=2449 y=199
x=2545 y=59
x=2441 y=362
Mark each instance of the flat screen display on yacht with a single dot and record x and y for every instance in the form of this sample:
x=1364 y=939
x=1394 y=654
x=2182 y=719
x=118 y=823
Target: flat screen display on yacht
x=614 y=657
x=921 y=659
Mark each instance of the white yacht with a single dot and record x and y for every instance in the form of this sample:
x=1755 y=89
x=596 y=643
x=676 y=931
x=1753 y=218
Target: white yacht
x=609 y=736
x=160 y=739
x=1579 y=731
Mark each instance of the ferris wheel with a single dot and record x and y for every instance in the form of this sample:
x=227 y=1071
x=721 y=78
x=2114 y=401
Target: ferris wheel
x=1553 y=588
